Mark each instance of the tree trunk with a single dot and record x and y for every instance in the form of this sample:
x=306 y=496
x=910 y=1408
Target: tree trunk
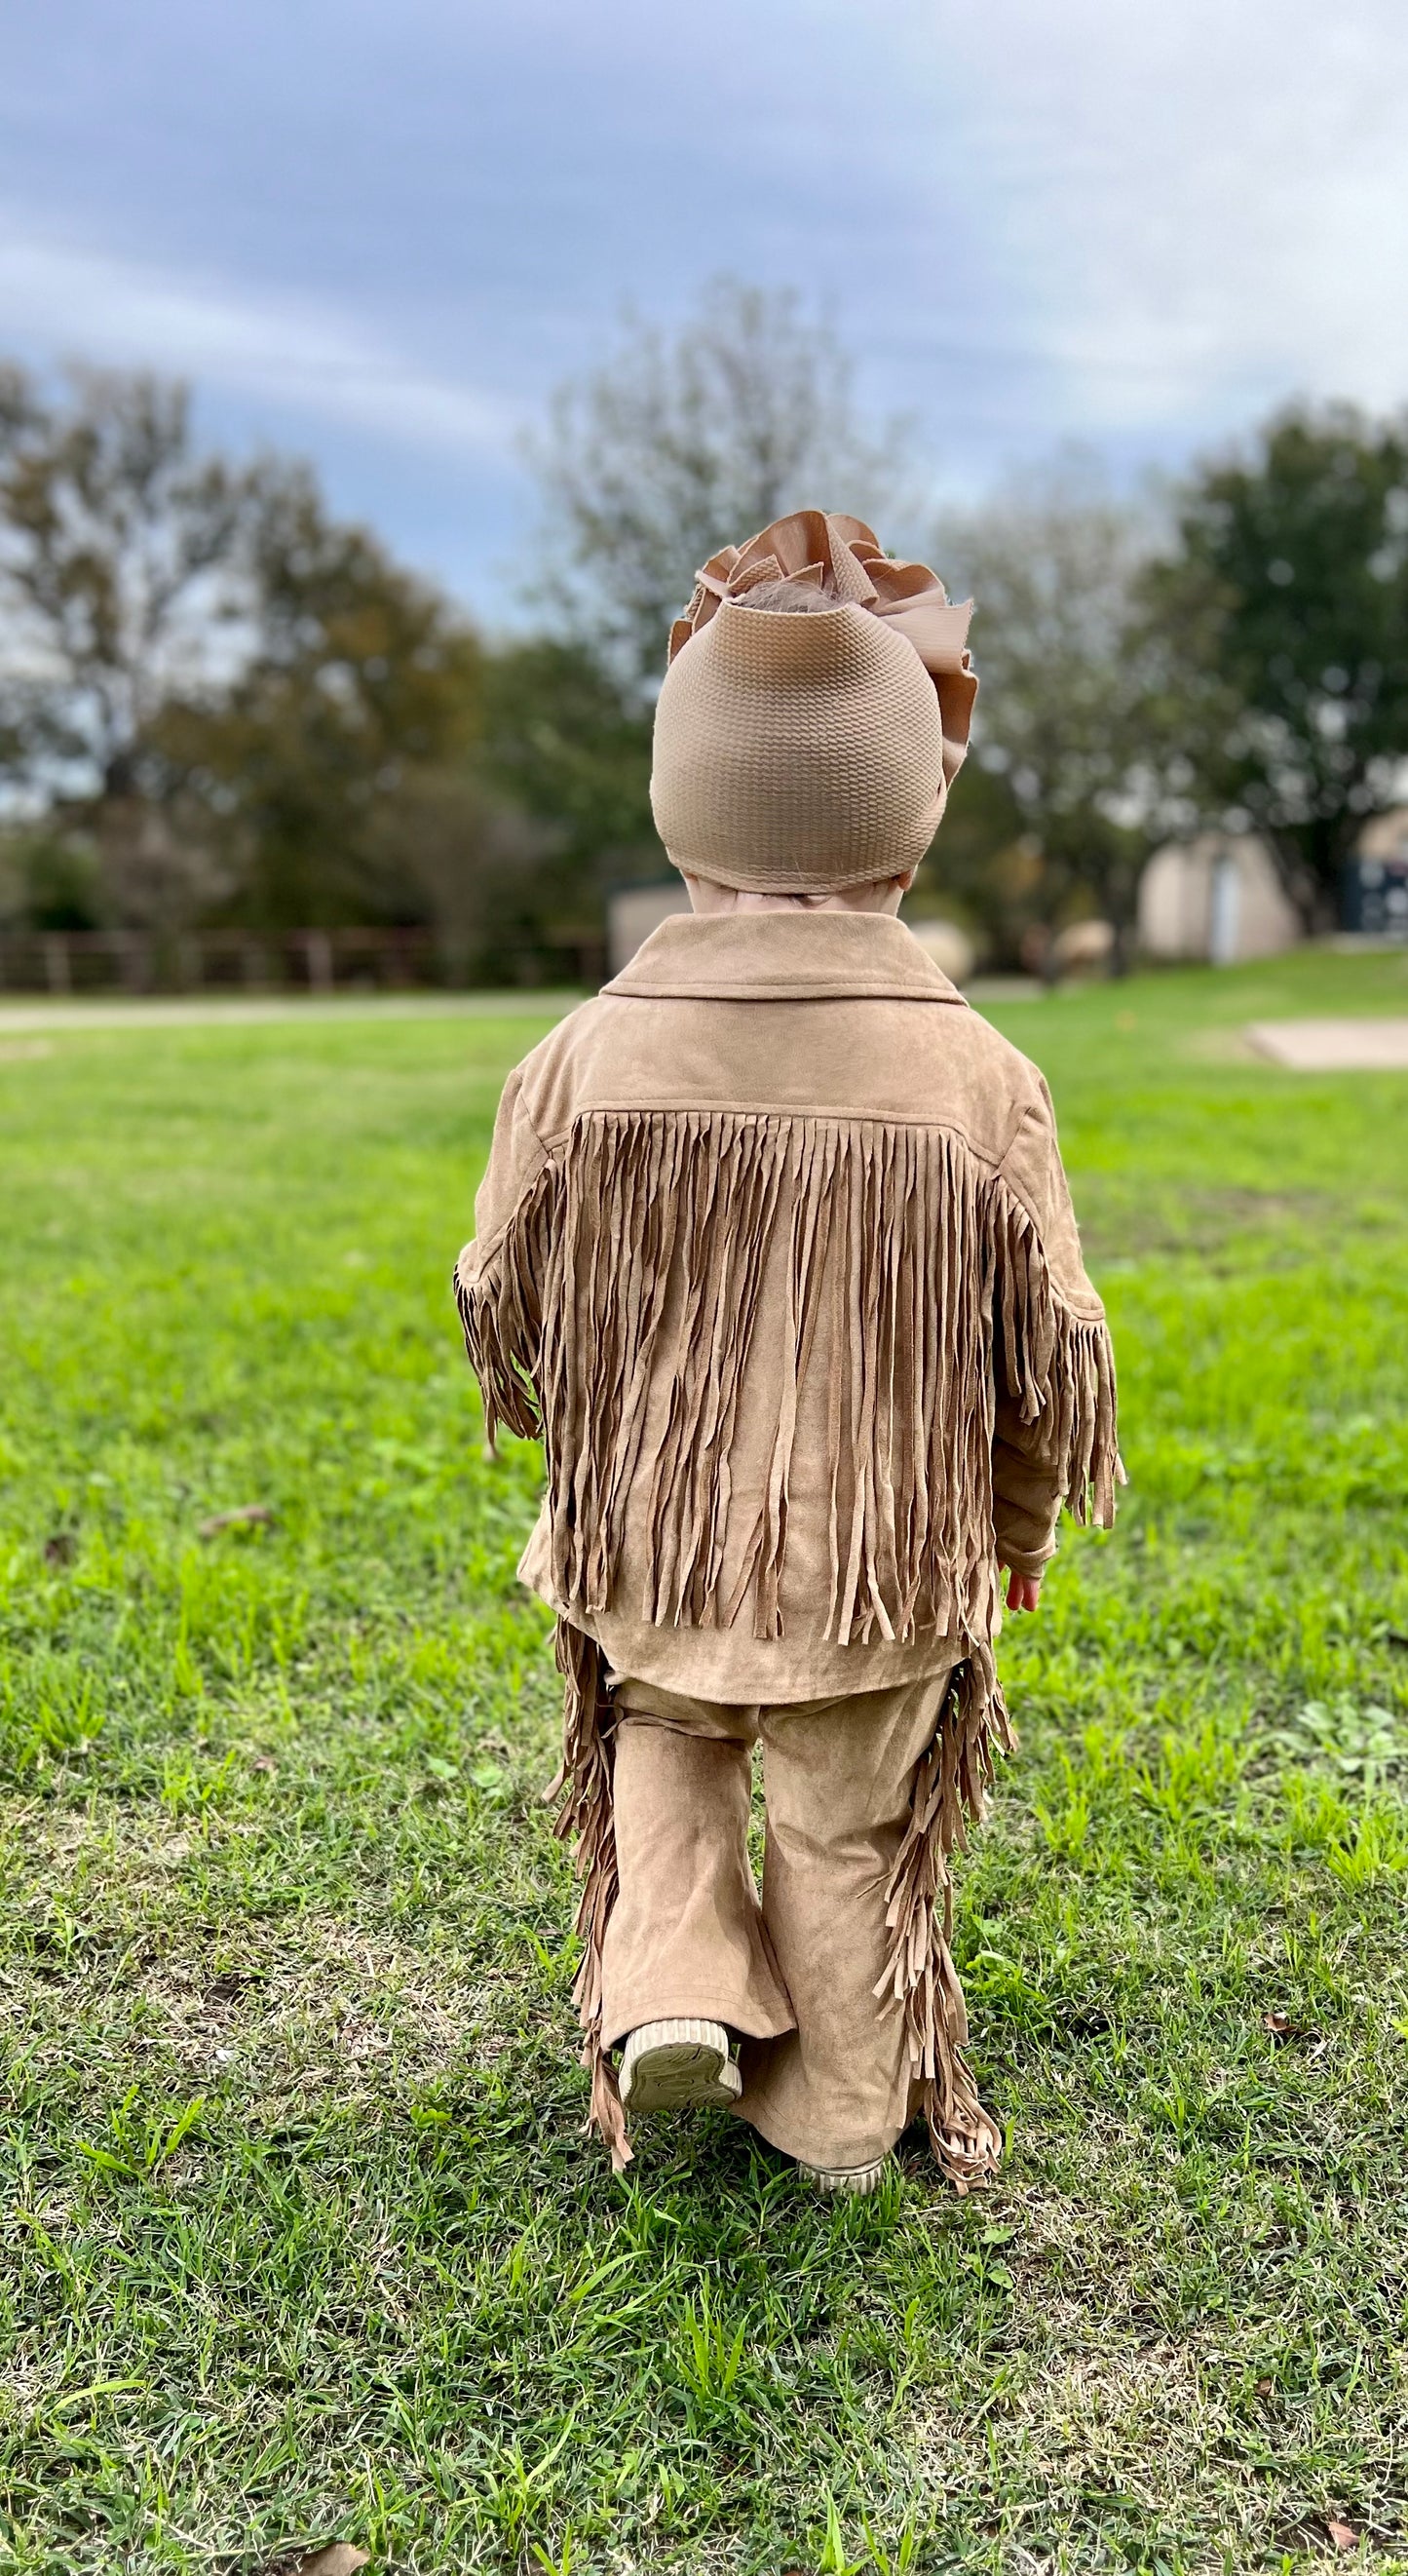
x=1309 y=858
x=1297 y=877
x=1116 y=890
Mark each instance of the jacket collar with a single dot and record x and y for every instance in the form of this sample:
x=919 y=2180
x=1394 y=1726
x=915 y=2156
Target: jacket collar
x=783 y=957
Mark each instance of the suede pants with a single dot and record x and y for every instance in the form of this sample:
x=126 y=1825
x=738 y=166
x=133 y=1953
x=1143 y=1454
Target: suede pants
x=826 y=2070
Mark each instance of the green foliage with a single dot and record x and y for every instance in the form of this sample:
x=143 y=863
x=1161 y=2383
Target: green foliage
x=565 y=743
x=361 y=686
x=1290 y=586
x=984 y=868
x=300 y=2234
x=49 y=880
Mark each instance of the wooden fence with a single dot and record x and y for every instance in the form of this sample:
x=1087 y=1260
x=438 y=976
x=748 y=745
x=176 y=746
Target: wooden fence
x=315 y=961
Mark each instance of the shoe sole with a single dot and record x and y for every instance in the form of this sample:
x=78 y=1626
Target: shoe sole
x=857 y=2180
x=680 y=2066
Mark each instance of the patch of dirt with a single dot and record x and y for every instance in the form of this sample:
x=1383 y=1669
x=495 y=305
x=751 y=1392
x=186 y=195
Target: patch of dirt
x=1210 y=1221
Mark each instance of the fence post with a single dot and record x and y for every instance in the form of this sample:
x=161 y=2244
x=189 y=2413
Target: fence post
x=57 y=969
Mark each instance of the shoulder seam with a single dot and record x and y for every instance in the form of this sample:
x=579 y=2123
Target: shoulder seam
x=687 y=1105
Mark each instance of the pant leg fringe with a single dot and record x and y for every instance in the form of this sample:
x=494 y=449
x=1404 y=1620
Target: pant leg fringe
x=966 y=2141
x=587 y=1814
x=920 y=1978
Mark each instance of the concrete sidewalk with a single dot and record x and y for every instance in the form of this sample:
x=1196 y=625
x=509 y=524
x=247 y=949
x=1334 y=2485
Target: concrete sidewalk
x=1333 y=1046
x=37 y=1018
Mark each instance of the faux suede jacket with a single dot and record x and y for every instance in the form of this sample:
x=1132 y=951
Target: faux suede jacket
x=776 y=1251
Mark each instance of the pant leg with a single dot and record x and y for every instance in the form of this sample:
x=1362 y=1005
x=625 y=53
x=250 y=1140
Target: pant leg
x=839 y=1778
x=685 y=1937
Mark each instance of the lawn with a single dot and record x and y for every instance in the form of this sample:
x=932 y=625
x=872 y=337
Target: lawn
x=301 y=2237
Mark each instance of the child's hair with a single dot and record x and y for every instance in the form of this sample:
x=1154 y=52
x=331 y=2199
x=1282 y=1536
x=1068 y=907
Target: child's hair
x=799 y=597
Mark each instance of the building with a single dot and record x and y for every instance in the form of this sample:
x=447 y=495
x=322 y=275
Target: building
x=1376 y=880
x=1217 y=899
x=633 y=911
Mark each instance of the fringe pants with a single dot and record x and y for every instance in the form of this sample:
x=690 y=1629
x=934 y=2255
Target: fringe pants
x=838 y=1980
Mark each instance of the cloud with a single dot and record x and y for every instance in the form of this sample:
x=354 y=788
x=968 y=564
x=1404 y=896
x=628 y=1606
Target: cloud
x=1198 y=210
x=303 y=357
x=385 y=235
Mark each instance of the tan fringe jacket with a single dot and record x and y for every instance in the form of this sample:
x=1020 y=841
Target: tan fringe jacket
x=776 y=1251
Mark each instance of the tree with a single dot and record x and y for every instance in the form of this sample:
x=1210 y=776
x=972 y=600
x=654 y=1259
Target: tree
x=985 y=869
x=1074 y=706
x=49 y=880
x=678 y=445
x=1289 y=584
x=460 y=858
x=122 y=564
x=567 y=742
x=357 y=680
x=124 y=572
x=206 y=681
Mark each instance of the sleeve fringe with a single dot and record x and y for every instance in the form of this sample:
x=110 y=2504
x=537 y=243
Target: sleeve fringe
x=1060 y=1365
x=501 y=1304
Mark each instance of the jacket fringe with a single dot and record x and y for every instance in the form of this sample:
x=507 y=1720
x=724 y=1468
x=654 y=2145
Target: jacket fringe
x=639 y=1252
x=920 y=1978
x=501 y=1312
x=587 y=1816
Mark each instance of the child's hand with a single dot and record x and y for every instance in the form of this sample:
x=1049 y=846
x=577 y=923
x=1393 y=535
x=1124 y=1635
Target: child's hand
x=1023 y=1591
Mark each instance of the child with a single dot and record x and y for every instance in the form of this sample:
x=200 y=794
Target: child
x=776 y=1251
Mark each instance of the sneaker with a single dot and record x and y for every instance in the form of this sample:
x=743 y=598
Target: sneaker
x=846 y=2178
x=678 y=2066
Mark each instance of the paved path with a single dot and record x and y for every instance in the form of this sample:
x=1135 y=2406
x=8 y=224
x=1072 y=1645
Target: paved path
x=1333 y=1046
x=35 y=1019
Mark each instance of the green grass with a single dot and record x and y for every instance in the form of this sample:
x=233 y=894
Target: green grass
x=300 y=2235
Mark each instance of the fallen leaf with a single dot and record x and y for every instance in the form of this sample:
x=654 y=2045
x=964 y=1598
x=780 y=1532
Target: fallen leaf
x=263 y=1762
x=339 y=2558
x=1279 y=2026
x=1263 y=2387
x=62 y=1548
x=1342 y=2536
x=245 y=1516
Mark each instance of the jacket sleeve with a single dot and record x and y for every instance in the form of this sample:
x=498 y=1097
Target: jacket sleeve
x=1054 y=1437
x=499 y=1276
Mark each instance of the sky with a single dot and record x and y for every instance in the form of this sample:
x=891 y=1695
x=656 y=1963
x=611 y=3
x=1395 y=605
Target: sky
x=379 y=236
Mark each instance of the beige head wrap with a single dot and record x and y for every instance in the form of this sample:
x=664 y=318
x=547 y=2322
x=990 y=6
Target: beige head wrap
x=799 y=753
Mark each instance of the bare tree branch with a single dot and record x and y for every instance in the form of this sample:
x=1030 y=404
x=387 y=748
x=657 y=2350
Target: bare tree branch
x=680 y=444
